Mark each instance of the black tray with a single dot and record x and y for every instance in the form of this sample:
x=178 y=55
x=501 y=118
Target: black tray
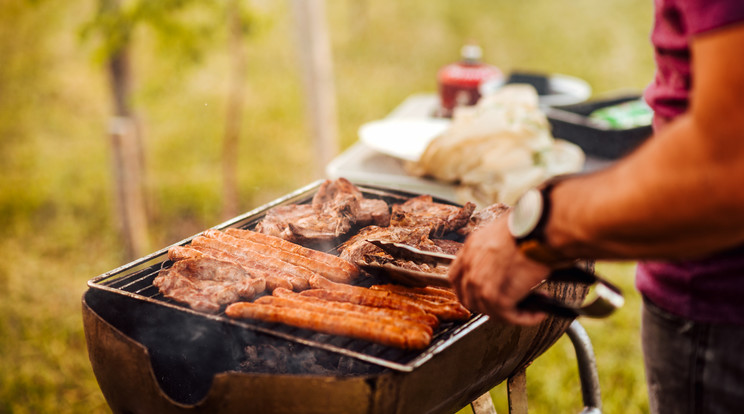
x=572 y=123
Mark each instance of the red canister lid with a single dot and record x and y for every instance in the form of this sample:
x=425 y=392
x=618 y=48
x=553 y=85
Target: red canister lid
x=459 y=83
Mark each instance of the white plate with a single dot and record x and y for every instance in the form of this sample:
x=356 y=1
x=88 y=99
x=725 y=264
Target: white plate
x=402 y=138
x=566 y=90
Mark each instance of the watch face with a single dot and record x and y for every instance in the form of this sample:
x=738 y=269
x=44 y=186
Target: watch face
x=526 y=214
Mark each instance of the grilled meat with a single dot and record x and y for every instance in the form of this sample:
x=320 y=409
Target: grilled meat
x=429 y=292
x=336 y=207
x=261 y=264
x=448 y=246
x=255 y=269
x=373 y=212
x=325 y=289
x=298 y=264
x=326 y=264
x=482 y=217
x=277 y=219
x=423 y=211
x=441 y=297
x=358 y=250
x=357 y=247
x=350 y=325
x=419 y=317
x=289 y=299
x=206 y=284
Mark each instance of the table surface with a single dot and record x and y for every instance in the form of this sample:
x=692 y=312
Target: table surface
x=366 y=166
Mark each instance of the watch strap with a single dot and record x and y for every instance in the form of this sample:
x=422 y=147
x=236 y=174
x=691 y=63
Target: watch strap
x=534 y=244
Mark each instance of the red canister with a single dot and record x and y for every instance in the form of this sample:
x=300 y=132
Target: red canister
x=460 y=83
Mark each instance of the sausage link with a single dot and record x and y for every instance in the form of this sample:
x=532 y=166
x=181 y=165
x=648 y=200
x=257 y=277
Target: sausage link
x=421 y=318
x=350 y=326
x=328 y=265
x=333 y=308
x=262 y=265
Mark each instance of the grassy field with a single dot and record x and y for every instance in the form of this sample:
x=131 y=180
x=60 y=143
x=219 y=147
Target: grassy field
x=57 y=221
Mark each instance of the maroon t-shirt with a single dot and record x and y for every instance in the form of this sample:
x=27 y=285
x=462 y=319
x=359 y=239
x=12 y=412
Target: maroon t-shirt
x=711 y=289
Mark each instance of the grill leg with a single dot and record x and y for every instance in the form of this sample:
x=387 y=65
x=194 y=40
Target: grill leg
x=587 y=368
x=483 y=405
x=516 y=390
x=516 y=385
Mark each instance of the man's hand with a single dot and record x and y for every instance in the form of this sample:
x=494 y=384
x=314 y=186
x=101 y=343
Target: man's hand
x=491 y=275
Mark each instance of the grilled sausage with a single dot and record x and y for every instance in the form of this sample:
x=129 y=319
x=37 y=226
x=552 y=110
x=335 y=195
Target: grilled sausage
x=422 y=318
x=427 y=291
x=268 y=254
x=328 y=265
x=255 y=270
x=335 y=308
x=446 y=300
x=262 y=264
x=350 y=326
x=445 y=312
x=362 y=298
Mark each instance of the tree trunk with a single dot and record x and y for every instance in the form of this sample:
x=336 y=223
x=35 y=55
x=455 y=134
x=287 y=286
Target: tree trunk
x=234 y=113
x=317 y=70
x=128 y=159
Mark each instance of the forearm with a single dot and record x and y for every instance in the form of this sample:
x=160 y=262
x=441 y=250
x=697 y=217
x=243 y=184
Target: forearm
x=679 y=196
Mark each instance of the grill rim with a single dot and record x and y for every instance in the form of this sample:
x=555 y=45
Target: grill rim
x=441 y=341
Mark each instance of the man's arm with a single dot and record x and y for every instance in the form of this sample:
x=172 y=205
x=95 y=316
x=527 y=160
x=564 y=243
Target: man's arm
x=681 y=195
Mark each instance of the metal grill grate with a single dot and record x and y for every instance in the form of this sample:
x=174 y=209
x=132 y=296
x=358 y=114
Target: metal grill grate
x=135 y=281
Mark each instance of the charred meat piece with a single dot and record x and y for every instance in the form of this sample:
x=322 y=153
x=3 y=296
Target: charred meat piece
x=357 y=247
x=373 y=212
x=305 y=222
x=277 y=219
x=255 y=258
x=419 y=317
x=423 y=211
x=289 y=299
x=301 y=262
x=206 y=284
x=482 y=217
x=359 y=251
x=331 y=214
x=255 y=269
x=336 y=207
x=326 y=264
x=445 y=310
x=448 y=246
x=349 y=324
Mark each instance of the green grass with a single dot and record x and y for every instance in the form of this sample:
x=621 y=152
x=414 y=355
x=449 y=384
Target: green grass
x=57 y=221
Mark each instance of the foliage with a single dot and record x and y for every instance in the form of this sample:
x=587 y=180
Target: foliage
x=185 y=28
x=56 y=211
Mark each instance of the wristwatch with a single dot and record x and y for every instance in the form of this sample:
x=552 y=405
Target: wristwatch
x=527 y=222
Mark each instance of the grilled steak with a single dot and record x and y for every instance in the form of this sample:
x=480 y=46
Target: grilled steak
x=423 y=211
x=373 y=212
x=336 y=207
x=358 y=250
x=206 y=284
x=482 y=217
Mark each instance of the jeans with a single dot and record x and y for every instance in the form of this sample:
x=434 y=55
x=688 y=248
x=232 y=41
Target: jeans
x=692 y=367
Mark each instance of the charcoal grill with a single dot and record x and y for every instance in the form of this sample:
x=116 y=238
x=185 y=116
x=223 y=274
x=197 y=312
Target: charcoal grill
x=150 y=354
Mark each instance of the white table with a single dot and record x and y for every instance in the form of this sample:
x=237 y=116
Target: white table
x=366 y=166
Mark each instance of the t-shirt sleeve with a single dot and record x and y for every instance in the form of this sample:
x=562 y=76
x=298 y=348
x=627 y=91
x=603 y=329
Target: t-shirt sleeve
x=705 y=15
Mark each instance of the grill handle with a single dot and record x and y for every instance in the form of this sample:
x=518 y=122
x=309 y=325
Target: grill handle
x=608 y=296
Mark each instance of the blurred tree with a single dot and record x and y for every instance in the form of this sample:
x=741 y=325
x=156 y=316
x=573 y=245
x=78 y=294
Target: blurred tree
x=316 y=60
x=187 y=27
x=238 y=24
x=125 y=133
